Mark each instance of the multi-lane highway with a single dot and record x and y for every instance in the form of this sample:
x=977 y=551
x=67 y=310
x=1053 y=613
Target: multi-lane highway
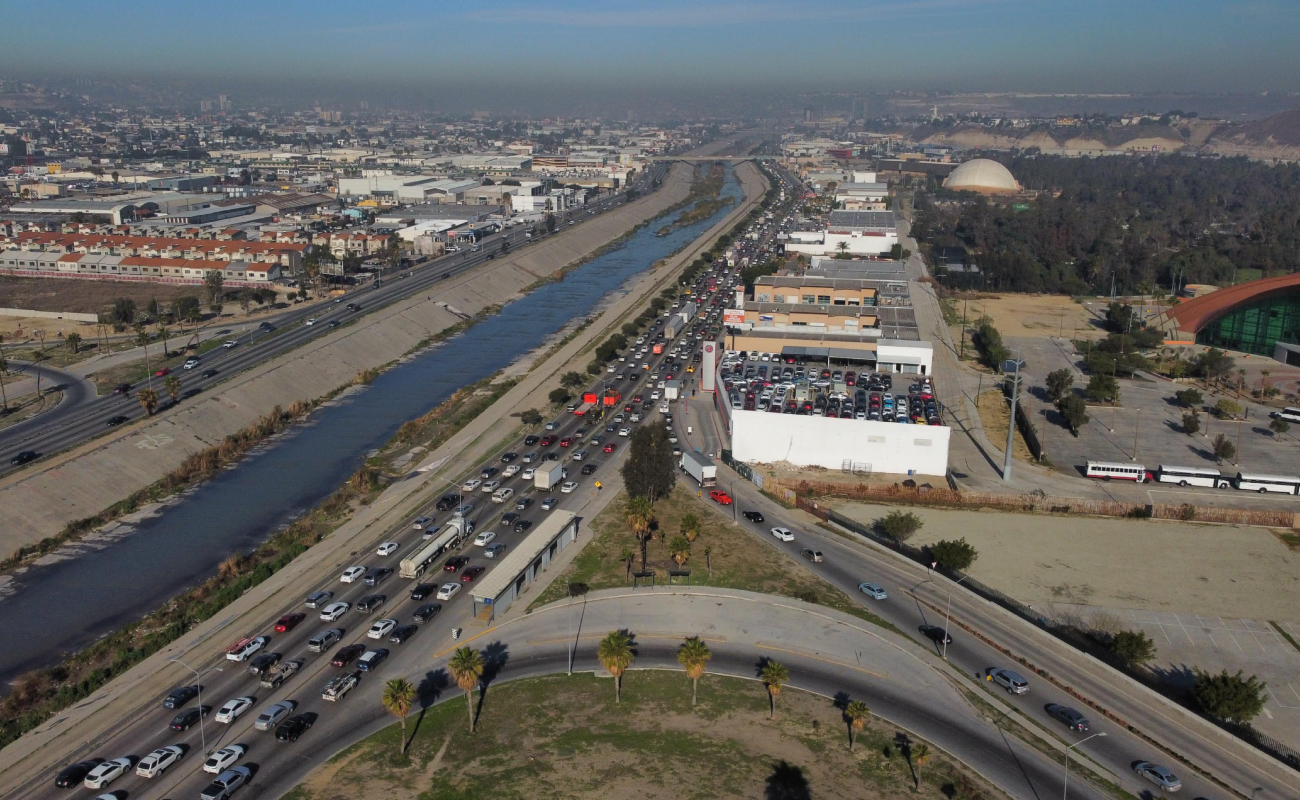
x=88 y=419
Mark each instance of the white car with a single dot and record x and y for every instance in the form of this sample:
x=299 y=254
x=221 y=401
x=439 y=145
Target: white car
x=580 y=455
x=387 y=548
x=352 y=573
x=873 y=590
x=333 y=611
x=381 y=628
x=157 y=762
x=190 y=363
x=511 y=470
x=230 y=344
x=784 y=534
x=310 y=321
x=654 y=395
x=491 y=486
x=448 y=591
x=224 y=757
x=624 y=431
x=568 y=487
x=484 y=538
x=421 y=523
x=503 y=494
x=271 y=717
x=528 y=474
x=470 y=485
x=234 y=709
x=106 y=773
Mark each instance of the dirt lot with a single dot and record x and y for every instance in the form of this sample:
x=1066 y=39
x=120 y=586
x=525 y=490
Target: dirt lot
x=81 y=296
x=564 y=737
x=1031 y=315
x=1158 y=566
x=995 y=415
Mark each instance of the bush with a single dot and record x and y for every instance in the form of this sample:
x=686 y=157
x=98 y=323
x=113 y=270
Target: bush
x=1191 y=423
x=1279 y=425
x=899 y=525
x=530 y=417
x=1229 y=697
x=1227 y=408
x=559 y=396
x=1189 y=397
x=1074 y=411
x=1058 y=383
x=958 y=555
x=1132 y=647
x=1103 y=389
x=1224 y=449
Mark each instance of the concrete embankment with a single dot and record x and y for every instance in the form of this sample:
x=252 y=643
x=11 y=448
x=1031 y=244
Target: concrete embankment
x=38 y=503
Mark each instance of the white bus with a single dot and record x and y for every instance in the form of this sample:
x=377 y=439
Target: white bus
x=1121 y=472
x=1283 y=484
x=1192 y=476
x=1288 y=414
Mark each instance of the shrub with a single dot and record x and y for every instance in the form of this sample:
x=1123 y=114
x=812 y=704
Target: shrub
x=1132 y=647
x=958 y=554
x=899 y=525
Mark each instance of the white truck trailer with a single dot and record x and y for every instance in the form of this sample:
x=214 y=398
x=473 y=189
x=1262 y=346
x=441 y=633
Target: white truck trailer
x=699 y=467
x=548 y=475
x=420 y=559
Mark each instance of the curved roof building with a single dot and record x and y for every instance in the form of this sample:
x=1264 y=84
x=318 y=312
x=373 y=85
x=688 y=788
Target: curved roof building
x=1253 y=317
x=984 y=176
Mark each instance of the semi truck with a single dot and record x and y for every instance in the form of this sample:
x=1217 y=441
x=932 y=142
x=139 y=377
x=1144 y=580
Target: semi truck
x=415 y=565
x=548 y=476
x=340 y=686
x=272 y=678
x=583 y=409
x=593 y=398
x=700 y=468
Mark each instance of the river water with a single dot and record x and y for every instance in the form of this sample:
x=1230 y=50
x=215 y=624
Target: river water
x=61 y=607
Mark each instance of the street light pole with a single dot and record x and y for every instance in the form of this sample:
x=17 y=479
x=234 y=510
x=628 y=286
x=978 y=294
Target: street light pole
x=947 y=617
x=203 y=739
x=1065 y=786
x=1011 y=423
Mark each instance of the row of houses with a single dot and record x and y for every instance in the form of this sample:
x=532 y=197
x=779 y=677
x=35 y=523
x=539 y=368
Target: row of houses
x=287 y=255
x=40 y=264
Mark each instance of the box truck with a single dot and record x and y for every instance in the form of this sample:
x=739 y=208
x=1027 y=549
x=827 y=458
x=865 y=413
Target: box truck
x=548 y=475
x=700 y=468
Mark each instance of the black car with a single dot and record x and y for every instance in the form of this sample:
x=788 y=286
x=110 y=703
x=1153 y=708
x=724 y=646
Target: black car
x=401 y=633
x=936 y=634
x=122 y=388
x=454 y=563
x=262 y=663
x=423 y=590
x=334 y=323
x=754 y=516
x=509 y=518
x=179 y=697
x=447 y=501
x=377 y=576
x=522 y=525
x=113 y=422
x=73 y=774
x=506 y=458
x=371 y=603
x=427 y=612
x=488 y=472
x=587 y=469
x=189 y=718
x=529 y=441
x=23 y=457
x=266 y=326
x=293 y=727
x=209 y=373
x=1073 y=720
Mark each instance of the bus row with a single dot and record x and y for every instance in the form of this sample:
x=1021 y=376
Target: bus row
x=1194 y=476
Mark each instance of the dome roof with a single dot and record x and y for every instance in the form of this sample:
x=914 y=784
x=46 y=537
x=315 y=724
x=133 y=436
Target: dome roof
x=984 y=176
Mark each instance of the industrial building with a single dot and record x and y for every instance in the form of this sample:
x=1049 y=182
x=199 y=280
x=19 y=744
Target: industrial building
x=1261 y=317
x=390 y=189
x=853 y=233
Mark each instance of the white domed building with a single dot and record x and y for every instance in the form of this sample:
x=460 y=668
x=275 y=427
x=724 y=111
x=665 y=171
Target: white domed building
x=983 y=176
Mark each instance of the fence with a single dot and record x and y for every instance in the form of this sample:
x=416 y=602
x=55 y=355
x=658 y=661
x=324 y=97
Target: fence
x=1027 y=430
x=1033 y=503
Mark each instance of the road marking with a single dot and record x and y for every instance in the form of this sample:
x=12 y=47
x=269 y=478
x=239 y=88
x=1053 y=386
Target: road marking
x=463 y=642
x=1229 y=630
x=1186 y=632
x=637 y=636
x=764 y=646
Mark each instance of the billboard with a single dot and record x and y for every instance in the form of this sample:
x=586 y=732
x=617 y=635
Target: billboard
x=709 y=366
x=733 y=316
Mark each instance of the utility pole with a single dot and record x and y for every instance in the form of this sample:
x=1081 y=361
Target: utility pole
x=962 y=354
x=1011 y=423
x=1136 y=420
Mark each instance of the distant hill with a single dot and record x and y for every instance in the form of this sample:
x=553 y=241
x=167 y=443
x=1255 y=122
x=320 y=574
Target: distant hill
x=1273 y=137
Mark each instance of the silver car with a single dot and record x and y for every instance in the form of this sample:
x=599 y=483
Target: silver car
x=1160 y=776
x=271 y=717
x=873 y=591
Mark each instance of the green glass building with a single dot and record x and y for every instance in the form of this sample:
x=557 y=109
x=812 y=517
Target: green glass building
x=1256 y=326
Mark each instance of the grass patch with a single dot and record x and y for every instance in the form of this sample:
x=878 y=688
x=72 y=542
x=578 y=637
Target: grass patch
x=560 y=736
x=995 y=415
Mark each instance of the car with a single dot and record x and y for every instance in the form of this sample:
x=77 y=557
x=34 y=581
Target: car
x=580 y=455
x=815 y=556
x=372 y=659
x=113 y=422
x=157 y=762
x=311 y=321
x=381 y=628
x=511 y=471
x=784 y=534
x=484 y=538
x=219 y=761
x=522 y=525
x=549 y=503
x=1162 y=777
x=446 y=502
x=179 y=697
x=325 y=639
x=754 y=516
x=529 y=441
x=387 y=548
x=229 y=344
x=936 y=634
x=347 y=654
x=225 y=784
x=523 y=503
x=609 y=448
x=293 y=727
x=454 y=563
x=506 y=458
x=334 y=610
x=420 y=523
x=624 y=431
x=426 y=612
x=471 y=485
x=568 y=487
x=264 y=662
x=73 y=774
x=488 y=472
x=1009 y=680
x=1073 y=719
x=190 y=363
x=162 y=373
x=587 y=469
x=288 y=622
x=448 y=591
x=402 y=632
x=266 y=326
x=122 y=388
x=377 y=576
x=494 y=550
x=23 y=457
x=234 y=709
x=566 y=441
x=210 y=373
x=352 y=573
x=105 y=773
x=318 y=599
x=423 y=590
x=271 y=717
x=872 y=590
x=371 y=603
x=503 y=494
x=189 y=718
x=720 y=497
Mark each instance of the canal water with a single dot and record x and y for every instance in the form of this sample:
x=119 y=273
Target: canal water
x=65 y=606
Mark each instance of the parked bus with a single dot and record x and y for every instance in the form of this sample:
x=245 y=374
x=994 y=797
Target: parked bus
x=1288 y=414
x=1192 y=476
x=1120 y=472
x=1282 y=484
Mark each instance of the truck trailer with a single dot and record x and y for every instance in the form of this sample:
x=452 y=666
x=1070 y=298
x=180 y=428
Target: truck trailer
x=414 y=565
x=548 y=476
x=699 y=467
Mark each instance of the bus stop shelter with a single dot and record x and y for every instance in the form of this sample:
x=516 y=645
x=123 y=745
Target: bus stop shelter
x=521 y=566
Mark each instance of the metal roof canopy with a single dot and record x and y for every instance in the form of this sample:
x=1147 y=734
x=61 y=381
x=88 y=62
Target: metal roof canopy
x=518 y=560
x=842 y=353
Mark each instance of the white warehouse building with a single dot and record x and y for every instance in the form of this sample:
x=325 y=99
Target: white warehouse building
x=863 y=233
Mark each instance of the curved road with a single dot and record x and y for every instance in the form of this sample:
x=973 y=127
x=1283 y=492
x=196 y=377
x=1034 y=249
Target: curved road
x=77 y=391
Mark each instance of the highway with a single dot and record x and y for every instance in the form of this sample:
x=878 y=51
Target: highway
x=87 y=420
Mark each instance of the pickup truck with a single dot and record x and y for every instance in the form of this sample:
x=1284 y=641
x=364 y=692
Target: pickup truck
x=272 y=678
x=338 y=687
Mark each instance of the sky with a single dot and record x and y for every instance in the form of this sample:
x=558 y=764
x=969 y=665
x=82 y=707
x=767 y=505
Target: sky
x=568 y=47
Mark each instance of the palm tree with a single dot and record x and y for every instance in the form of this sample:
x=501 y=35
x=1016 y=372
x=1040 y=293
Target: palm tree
x=466 y=667
x=774 y=677
x=142 y=340
x=628 y=556
x=691 y=526
x=163 y=333
x=843 y=247
x=149 y=399
x=173 y=386
x=398 y=696
x=638 y=514
x=857 y=712
x=615 y=654
x=693 y=655
x=920 y=753
x=680 y=550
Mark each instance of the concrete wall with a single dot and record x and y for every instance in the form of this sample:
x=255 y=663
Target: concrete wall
x=759 y=437
x=68 y=315
x=39 y=502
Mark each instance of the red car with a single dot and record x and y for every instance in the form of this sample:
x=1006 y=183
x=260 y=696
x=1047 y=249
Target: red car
x=346 y=655
x=164 y=371
x=566 y=441
x=609 y=448
x=547 y=440
x=636 y=399
x=720 y=497
x=454 y=563
x=288 y=622
x=471 y=573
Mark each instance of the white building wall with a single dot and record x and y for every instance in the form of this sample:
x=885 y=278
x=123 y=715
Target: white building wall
x=760 y=437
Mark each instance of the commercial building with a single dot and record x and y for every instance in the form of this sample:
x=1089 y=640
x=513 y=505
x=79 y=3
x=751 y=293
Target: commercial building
x=1261 y=317
x=390 y=189
x=855 y=233
x=36 y=264
x=522 y=565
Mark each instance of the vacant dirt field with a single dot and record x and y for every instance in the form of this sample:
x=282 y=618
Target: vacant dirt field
x=1032 y=315
x=86 y=297
x=564 y=737
x=1160 y=566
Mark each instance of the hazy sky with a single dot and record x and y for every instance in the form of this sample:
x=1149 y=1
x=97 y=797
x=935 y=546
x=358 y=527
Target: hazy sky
x=569 y=45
